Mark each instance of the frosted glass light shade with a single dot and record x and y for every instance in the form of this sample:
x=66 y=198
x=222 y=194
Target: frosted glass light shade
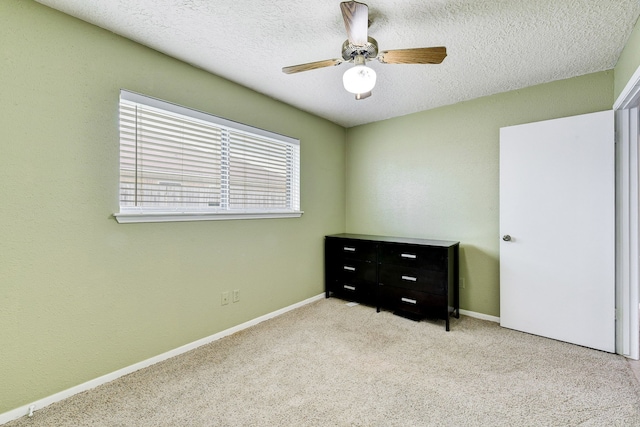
x=359 y=79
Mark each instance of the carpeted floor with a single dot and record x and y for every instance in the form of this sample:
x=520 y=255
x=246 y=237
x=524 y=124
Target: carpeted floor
x=328 y=364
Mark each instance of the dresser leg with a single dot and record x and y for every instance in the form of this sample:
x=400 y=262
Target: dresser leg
x=447 y=323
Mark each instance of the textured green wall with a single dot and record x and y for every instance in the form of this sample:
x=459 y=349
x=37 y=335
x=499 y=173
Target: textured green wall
x=628 y=62
x=434 y=174
x=82 y=296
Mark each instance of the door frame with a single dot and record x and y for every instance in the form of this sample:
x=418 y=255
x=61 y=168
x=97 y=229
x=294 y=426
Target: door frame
x=627 y=116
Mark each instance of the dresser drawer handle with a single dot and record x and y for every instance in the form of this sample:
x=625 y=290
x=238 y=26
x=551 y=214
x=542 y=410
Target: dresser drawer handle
x=409 y=301
x=349 y=268
x=348 y=249
x=409 y=278
x=351 y=288
x=409 y=256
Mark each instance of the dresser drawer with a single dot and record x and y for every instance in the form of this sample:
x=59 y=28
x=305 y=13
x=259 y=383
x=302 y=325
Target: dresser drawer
x=430 y=258
x=352 y=271
x=364 y=292
x=351 y=249
x=414 y=278
x=412 y=301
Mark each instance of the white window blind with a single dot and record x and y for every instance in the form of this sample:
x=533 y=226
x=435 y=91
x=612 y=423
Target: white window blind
x=178 y=164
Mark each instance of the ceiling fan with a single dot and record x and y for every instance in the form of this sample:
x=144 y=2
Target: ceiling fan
x=360 y=48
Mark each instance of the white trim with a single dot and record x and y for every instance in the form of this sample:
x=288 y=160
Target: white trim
x=41 y=403
x=480 y=316
x=134 y=217
x=628 y=235
x=622 y=231
x=630 y=93
x=627 y=207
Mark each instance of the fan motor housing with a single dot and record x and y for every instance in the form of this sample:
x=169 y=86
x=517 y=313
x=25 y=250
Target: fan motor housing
x=369 y=50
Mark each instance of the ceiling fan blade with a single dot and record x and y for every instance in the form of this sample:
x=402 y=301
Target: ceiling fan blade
x=311 y=66
x=420 y=55
x=360 y=96
x=356 y=21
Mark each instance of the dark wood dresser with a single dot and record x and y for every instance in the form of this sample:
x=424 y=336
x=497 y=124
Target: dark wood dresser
x=416 y=278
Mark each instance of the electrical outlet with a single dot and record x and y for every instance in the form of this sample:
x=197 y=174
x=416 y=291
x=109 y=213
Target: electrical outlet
x=236 y=295
x=225 y=298
x=463 y=284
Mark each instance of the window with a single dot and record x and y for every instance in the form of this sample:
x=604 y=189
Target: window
x=179 y=164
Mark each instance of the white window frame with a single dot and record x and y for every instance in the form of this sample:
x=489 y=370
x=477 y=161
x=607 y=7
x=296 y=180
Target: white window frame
x=134 y=214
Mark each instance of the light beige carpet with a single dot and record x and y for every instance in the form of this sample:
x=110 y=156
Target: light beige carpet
x=328 y=364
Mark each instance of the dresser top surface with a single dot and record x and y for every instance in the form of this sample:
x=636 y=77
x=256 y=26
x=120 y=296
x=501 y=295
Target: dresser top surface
x=389 y=239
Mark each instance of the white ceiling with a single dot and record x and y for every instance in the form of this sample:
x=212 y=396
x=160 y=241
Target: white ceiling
x=493 y=46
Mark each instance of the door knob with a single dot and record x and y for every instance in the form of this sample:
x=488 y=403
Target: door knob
x=506 y=238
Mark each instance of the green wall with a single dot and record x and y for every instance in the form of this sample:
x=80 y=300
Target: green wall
x=81 y=295
x=434 y=174
x=628 y=62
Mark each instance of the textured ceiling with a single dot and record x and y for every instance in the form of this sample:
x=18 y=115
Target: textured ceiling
x=493 y=46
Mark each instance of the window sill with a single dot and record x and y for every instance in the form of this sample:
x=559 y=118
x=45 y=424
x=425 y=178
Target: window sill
x=135 y=217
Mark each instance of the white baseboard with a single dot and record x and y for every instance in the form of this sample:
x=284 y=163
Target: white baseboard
x=480 y=316
x=39 y=404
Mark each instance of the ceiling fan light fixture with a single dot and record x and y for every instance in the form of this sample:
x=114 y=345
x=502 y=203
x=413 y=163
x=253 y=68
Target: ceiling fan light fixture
x=359 y=79
x=360 y=48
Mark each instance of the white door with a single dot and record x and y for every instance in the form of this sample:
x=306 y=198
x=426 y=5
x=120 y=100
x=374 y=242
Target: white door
x=557 y=259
